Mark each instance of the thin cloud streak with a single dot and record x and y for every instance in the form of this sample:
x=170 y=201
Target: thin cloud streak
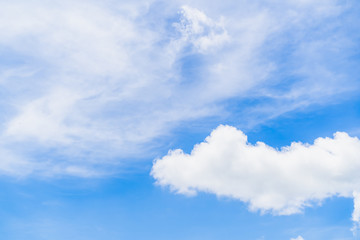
x=93 y=84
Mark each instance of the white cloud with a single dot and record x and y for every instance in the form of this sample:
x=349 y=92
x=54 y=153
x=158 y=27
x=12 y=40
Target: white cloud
x=281 y=181
x=13 y=165
x=44 y=118
x=298 y=238
x=200 y=30
x=91 y=83
x=356 y=213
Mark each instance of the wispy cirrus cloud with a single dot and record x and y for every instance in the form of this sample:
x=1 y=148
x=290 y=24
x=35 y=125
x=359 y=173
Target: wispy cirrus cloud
x=87 y=85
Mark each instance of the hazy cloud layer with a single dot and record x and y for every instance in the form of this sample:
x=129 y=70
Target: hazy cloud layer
x=87 y=85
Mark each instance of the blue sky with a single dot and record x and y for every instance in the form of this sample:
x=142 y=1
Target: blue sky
x=180 y=120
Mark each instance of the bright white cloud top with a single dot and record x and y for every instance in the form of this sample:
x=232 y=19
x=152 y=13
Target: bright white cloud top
x=281 y=181
x=90 y=84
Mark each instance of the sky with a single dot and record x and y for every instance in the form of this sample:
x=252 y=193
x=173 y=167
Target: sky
x=194 y=120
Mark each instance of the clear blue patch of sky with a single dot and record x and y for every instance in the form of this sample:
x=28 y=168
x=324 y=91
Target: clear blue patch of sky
x=133 y=208
x=302 y=125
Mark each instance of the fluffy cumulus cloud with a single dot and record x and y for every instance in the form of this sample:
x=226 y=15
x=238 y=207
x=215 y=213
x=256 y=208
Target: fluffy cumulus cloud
x=281 y=181
x=87 y=85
